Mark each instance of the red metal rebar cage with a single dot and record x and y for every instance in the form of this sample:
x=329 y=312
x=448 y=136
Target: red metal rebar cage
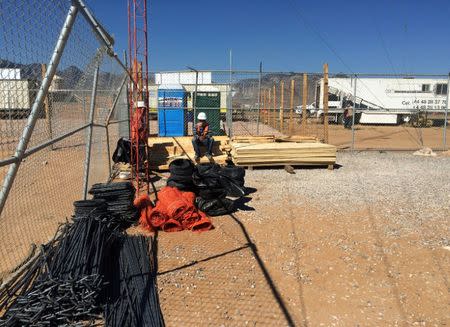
x=138 y=91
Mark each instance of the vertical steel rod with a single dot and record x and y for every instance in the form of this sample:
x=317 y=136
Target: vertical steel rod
x=354 y=114
x=259 y=97
x=37 y=104
x=87 y=160
x=230 y=107
x=446 y=115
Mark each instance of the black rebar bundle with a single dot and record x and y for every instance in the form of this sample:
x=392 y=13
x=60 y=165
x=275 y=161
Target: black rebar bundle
x=88 y=269
x=132 y=299
x=70 y=284
x=119 y=200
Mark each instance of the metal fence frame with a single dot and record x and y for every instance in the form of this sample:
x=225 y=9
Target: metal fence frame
x=231 y=78
x=22 y=150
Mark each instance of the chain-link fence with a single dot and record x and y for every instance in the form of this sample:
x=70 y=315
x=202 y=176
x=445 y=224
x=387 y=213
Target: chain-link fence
x=61 y=93
x=361 y=112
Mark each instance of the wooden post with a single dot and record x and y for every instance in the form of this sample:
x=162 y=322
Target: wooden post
x=304 y=102
x=291 y=108
x=269 y=105
x=265 y=107
x=274 y=106
x=282 y=107
x=47 y=107
x=325 y=103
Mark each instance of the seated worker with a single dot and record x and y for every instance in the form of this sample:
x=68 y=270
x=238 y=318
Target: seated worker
x=202 y=136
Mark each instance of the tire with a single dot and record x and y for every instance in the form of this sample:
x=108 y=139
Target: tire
x=181 y=167
x=211 y=194
x=185 y=179
x=180 y=186
x=234 y=173
x=205 y=169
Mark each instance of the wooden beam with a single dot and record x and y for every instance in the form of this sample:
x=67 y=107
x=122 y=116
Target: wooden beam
x=47 y=108
x=281 y=115
x=269 y=107
x=274 y=106
x=304 y=102
x=325 y=102
x=291 y=108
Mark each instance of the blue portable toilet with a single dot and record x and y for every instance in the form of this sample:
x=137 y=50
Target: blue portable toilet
x=171 y=110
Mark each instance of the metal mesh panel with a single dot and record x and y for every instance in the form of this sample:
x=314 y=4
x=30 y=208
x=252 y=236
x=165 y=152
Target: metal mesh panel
x=50 y=178
x=41 y=197
x=409 y=115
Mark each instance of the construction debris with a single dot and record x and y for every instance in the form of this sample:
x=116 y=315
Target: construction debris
x=426 y=152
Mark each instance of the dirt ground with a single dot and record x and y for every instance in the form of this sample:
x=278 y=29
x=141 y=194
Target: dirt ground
x=289 y=258
x=289 y=255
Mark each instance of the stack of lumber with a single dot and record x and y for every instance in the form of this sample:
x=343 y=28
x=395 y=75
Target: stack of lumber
x=253 y=139
x=273 y=138
x=163 y=150
x=283 y=153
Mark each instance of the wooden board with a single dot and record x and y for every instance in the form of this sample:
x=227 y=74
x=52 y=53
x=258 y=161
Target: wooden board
x=283 y=153
x=165 y=149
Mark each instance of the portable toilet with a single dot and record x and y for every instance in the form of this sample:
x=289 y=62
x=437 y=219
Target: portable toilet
x=171 y=110
x=208 y=101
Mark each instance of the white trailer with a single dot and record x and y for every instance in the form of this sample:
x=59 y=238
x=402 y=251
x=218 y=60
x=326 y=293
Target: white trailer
x=16 y=97
x=384 y=100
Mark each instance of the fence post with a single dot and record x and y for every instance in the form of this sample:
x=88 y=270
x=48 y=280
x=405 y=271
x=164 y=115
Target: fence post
x=128 y=99
x=446 y=115
x=325 y=103
x=259 y=98
x=108 y=119
x=34 y=114
x=354 y=114
x=48 y=117
x=281 y=111
x=269 y=106
x=274 y=113
x=87 y=160
x=304 y=102
x=291 y=109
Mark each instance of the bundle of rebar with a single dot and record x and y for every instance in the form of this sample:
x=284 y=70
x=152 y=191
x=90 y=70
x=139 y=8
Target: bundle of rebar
x=132 y=299
x=21 y=279
x=119 y=201
x=70 y=283
x=87 y=270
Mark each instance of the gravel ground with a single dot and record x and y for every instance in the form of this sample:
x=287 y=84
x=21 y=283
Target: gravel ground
x=412 y=189
x=366 y=244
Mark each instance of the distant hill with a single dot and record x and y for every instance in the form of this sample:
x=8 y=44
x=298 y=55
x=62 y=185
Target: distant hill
x=71 y=76
x=246 y=90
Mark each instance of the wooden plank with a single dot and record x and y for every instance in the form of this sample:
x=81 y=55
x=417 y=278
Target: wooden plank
x=283 y=153
x=165 y=149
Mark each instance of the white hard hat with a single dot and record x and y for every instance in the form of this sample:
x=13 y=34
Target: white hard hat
x=201 y=116
x=141 y=104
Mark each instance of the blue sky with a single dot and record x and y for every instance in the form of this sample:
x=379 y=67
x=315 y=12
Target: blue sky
x=388 y=36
